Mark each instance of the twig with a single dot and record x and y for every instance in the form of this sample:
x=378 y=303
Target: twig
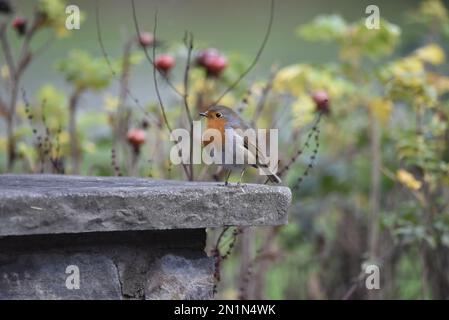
x=151 y=60
x=114 y=164
x=122 y=121
x=260 y=256
x=306 y=145
x=156 y=85
x=256 y=59
x=301 y=150
x=3 y=109
x=74 y=146
x=16 y=72
x=263 y=98
x=158 y=94
x=7 y=49
x=100 y=40
x=219 y=258
x=25 y=50
x=45 y=147
x=311 y=160
x=114 y=74
x=43 y=47
x=188 y=41
x=245 y=100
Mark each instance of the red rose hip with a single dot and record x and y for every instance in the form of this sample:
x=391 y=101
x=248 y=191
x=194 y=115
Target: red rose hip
x=205 y=56
x=20 y=24
x=212 y=61
x=165 y=63
x=146 y=39
x=136 y=137
x=321 y=99
x=216 y=66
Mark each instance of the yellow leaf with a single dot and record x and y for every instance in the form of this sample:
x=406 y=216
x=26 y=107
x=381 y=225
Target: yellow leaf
x=89 y=147
x=408 y=65
x=228 y=100
x=408 y=180
x=62 y=32
x=303 y=110
x=432 y=54
x=381 y=108
x=289 y=79
x=111 y=103
x=439 y=82
x=5 y=72
x=64 y=137
x=3 y=144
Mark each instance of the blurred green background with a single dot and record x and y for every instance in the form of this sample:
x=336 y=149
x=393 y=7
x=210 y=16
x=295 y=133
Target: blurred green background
x=369 y=182
x=227 y=25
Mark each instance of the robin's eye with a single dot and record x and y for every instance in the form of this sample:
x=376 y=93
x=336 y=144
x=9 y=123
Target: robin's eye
x=218 y=115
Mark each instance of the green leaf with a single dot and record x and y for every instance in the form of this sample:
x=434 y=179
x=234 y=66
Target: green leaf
x=84 y=71
x=323 y=28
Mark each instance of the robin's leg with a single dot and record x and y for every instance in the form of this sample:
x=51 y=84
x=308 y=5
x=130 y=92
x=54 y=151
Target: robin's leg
x=241 y=177
x=227 y=177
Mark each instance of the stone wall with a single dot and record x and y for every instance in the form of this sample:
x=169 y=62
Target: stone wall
x=67 y=237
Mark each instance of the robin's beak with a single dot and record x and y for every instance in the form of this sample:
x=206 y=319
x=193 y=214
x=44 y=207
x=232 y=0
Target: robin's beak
x=203 y=114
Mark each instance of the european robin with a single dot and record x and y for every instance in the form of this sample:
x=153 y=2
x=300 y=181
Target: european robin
x=227 y=121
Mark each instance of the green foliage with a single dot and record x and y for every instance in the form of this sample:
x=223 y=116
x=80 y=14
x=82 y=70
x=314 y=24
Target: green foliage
x=84 y=71
x=433 y=15
x=54 y=105
x=406 y=79
x=324 y=28
x=355 y=39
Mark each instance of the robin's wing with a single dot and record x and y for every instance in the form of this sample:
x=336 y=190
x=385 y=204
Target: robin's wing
x=261 y=159
x=255 y=154
x=262 y=162
x=249 y=156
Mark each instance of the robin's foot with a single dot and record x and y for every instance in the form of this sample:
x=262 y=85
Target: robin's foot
x=241 y=186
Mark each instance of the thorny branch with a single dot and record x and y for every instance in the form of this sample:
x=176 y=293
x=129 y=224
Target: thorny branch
x=314 y=130
x=16 y=70
x=44 y=143
x=218 y=256
x=256 y=58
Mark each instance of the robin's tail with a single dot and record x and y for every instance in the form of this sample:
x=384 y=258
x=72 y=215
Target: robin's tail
x=274 y=178
x=270 y=175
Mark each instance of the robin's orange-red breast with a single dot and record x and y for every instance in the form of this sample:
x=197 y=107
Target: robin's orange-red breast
x=227 y=121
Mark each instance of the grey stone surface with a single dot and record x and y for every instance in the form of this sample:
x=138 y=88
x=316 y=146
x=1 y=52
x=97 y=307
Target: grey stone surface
x=51 y=204
x=175 y=277
x=115 y=265
x=130 y=238
x=43 y=276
